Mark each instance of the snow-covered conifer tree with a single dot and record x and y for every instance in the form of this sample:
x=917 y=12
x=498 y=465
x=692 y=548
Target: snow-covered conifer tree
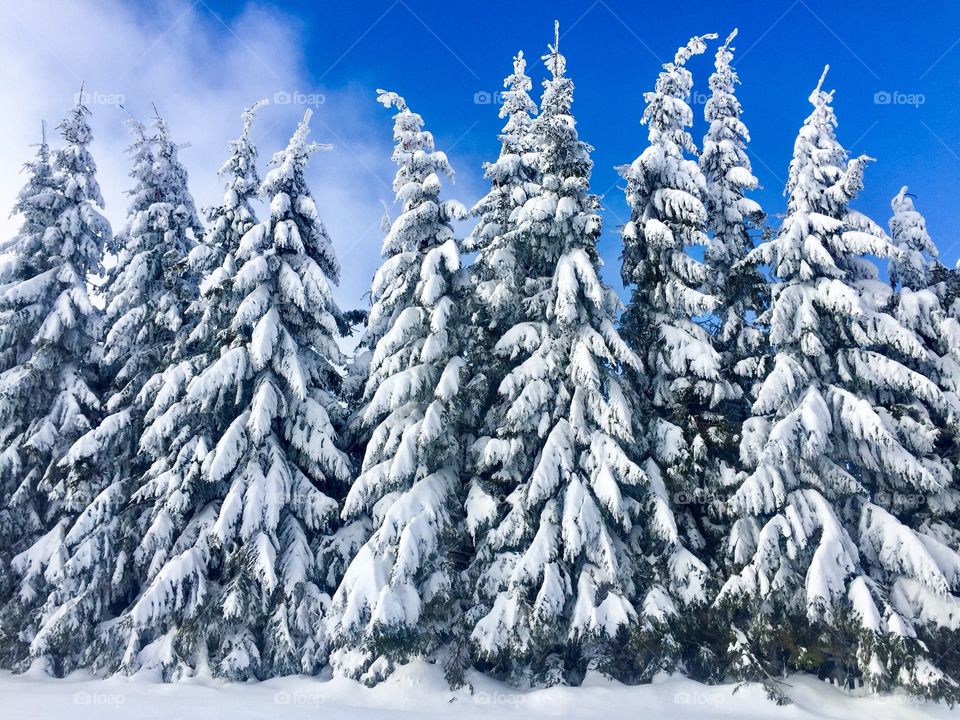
x=147 y=294
x=214 y=259
x=234 y=512
x=681 y=382
x=395 y=598
x=21 y=257
x=497 y=275
x=739 y=288
x=833 y=568
x=561 y=511
x=48 y=385
x=908 y=232
x=670 y=290
x=921 y=303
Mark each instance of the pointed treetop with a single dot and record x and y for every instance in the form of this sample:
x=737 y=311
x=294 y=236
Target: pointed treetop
x=819 y=96
x=554 y=61
x=412 y=139
x=132 y=120
x=723 y=80
x=730 y=37
x=74 y=127
x=292 y=159
x=695 y=46
x=517 y=104
x=391 y=99
x=160 y=126
x=250 y=114
x=903 y=200
x=917 y=251
x=137 y=128
x=241 y=163
x=298 y=142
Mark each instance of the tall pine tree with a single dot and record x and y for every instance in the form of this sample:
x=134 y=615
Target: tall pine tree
x=498 y=274
x=147 y=295
x=234 y=513
x=561 y=511
x=740 y=289
x=681 y=382
x=395 y=600
x=48 y=393
x=928 y=422
x=831 y=571
x=23 y=257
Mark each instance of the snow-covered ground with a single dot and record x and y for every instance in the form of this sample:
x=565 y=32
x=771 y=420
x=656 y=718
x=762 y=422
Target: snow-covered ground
x=419 y=691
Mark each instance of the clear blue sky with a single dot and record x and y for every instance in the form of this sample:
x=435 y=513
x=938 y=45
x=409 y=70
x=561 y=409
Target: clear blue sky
x=441 y=54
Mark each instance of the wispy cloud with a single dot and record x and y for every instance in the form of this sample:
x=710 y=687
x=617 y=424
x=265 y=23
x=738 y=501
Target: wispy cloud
x=200 y=70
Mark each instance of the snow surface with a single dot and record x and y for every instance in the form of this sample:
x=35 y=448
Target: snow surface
x=418 y=690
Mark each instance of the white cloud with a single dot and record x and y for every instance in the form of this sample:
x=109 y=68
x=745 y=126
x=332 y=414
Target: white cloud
x=200 y=73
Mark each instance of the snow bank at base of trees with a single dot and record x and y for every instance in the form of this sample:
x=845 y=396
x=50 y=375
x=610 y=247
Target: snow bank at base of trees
x=419 y=690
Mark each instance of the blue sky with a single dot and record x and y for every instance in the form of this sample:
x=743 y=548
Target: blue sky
x=896 y=71
x=440 y=54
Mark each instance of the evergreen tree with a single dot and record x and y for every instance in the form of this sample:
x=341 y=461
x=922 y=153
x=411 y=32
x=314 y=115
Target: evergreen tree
x=498 y=274
x=926 y=424
x=22 y=257
x=560 y=510
x=214 y=260
x=147 y=296
x=741 y=294
x=248 y=471
x=395 y=598
x=682 y=380
x=911 y=267
x=831 y=571
x=740 y=290
x=682 y=383
x=497 y=278
x=47 y=389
